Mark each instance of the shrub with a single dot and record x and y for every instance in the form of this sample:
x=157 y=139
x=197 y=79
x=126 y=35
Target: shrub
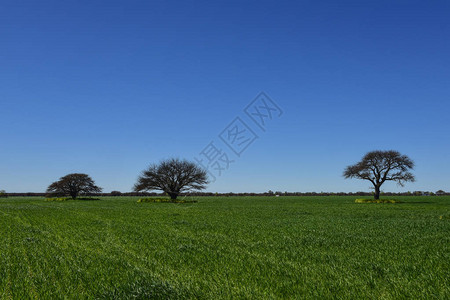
x=164 y=200
x=376 y=201
x=59 y=199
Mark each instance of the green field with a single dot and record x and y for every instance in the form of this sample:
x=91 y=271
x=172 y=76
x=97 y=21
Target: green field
x=225 y=247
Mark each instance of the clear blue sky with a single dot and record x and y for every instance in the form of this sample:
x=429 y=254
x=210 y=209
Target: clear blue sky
x=107 y=87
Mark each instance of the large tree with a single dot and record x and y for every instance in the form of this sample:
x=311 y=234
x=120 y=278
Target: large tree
x=381 y=166
x=74 y=185
x=172 y=176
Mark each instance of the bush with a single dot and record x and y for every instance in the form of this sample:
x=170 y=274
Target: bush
x=376 y=201
x=3 y=194
x=59 y=199
x=164 y=200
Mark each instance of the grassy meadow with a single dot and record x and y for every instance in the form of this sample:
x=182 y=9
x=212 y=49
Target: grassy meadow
x=225 y=247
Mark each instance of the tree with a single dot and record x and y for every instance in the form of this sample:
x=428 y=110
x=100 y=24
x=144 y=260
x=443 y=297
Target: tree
x=172 y=176
x=3 y=194
x=381 y=166
x=440 y=193
x=74 y=185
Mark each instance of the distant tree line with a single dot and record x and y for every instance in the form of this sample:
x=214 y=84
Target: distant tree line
x=231 y=194
x=175 y=177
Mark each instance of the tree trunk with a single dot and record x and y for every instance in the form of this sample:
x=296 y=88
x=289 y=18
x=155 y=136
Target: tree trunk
x=73 y=195
x=173 y=196
x=377 y=193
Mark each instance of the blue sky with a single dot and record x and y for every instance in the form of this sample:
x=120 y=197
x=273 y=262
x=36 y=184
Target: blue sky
x=106 y=88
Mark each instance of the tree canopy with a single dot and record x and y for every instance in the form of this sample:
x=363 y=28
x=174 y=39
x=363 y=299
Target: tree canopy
x=74 y=185
x=172 y=176
x=381 y=166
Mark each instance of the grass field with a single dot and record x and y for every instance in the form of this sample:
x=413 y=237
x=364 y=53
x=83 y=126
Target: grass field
x=225 y=247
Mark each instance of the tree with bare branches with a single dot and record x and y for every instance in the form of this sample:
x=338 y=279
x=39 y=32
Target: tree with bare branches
x=172 y=176
x=381 y=166
x=74 y=185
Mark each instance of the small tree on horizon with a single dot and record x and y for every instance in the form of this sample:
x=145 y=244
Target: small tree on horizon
x=440 y=193
x=172 y=176
x=73 y=185
x=381 y=166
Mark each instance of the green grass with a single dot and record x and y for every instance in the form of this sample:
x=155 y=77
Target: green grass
x=386 y=201
x=225 y=247
x=165 y=200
